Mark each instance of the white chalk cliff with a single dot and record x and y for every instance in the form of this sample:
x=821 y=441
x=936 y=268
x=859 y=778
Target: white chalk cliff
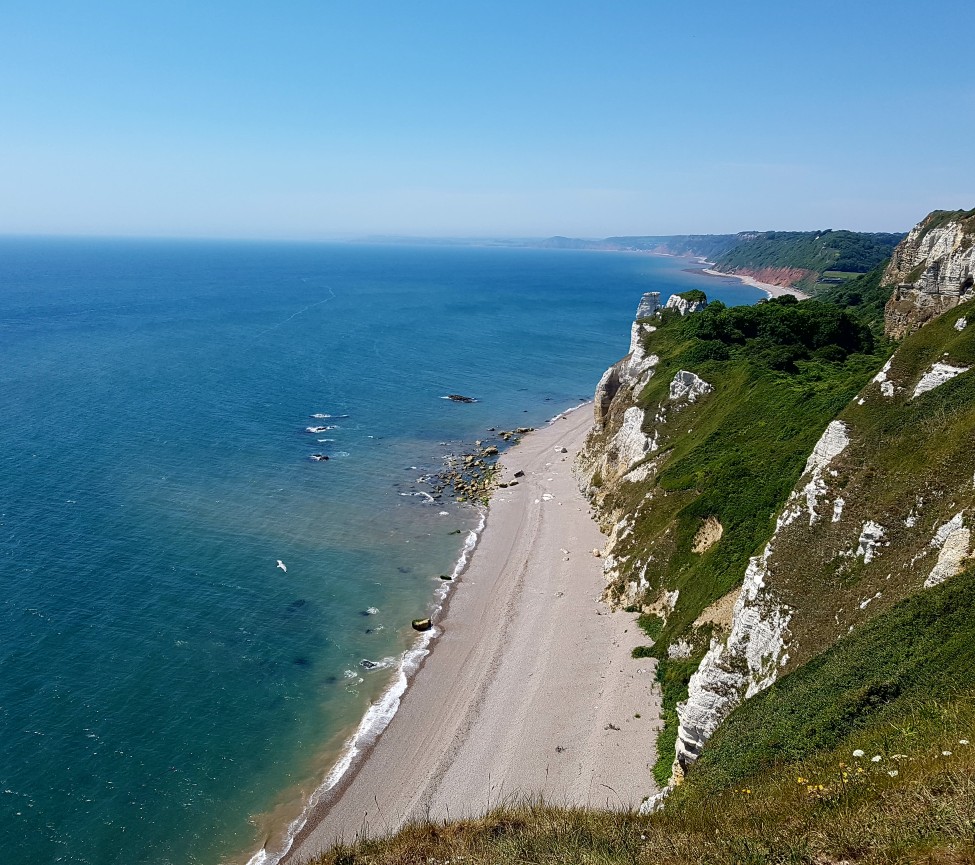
x=931 y=271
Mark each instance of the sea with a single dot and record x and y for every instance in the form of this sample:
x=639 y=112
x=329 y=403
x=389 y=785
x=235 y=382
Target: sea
x=188 y=596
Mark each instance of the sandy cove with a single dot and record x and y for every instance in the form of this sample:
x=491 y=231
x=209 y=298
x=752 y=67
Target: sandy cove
x=530 y=689
x=767 y=287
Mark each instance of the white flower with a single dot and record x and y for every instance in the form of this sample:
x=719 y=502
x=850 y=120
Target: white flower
x=858 y=753
x=876 y=758
x=963 y=741
x=892 y=773
x=946 y=753
x=898 y=756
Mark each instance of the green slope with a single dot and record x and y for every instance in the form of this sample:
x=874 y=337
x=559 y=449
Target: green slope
x=812 y=251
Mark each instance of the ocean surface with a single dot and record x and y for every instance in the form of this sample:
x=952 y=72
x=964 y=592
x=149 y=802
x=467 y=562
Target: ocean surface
x=168 y=693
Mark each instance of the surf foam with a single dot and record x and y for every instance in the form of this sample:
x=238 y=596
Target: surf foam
x=380 y=713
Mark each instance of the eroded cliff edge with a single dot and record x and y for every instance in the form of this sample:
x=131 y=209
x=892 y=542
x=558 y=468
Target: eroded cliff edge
x=765 y=492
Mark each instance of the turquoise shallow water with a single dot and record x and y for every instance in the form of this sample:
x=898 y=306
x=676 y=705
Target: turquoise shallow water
x=161 y=680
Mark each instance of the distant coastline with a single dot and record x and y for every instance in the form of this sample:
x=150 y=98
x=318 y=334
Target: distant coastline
x=770 y=289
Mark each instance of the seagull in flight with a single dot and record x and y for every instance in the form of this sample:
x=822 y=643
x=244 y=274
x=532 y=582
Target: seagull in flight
x=283 y=566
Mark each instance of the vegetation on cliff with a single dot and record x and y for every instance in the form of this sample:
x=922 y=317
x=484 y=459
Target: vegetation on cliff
x=708 y=246
x=940 y=218
x=810 y=259
x=865 y=293
x=813 y=252
x=862 y=749
x=780 y=372
x=838 y=762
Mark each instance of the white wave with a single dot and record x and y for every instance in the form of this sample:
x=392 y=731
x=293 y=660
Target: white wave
x=569 y=411
x=381 y=712
x=372 y=611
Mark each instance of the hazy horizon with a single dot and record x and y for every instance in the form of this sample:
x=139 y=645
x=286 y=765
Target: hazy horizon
x=338 y=122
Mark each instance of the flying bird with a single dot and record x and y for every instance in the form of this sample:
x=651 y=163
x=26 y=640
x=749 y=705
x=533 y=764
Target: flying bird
x=283 y=566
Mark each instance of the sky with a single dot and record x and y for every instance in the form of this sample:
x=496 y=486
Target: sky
x=314 y=119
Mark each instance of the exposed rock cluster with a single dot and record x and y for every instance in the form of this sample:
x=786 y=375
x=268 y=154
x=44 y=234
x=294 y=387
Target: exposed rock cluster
x=683 y=305
x=931 y=271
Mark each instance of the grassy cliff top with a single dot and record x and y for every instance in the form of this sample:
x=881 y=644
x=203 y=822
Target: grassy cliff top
x=816 y=252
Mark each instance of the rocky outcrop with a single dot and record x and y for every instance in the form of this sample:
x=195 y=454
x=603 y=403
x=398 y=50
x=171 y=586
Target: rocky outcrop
x=632 y=372
x=687 y=387
x=937 y=375
x=685 y=305
x=749 y=659
x=931 y=271
x=953 y=543
x=737 y=668
x=649 y=305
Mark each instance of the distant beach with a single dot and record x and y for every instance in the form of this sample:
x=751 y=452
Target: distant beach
x=770 y=289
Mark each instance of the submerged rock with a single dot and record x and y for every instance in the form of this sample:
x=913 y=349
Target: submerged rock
x=456 y=397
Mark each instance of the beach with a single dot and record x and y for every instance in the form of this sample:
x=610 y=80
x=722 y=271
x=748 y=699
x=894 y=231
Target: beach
x=770 y=289
x=530 y=688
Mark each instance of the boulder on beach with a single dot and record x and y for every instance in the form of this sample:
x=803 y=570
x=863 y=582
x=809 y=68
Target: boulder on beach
x=422 y=624
x=519 y=474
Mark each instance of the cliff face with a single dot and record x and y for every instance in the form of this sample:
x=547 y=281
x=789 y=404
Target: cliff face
x=784 y=276
x=882 y=508
x=931 y=271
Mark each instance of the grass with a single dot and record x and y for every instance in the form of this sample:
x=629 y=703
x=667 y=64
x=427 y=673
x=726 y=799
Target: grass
x=767 y=791
x=734 y=455
x=695 y=295
x=863 y=751
x=830 y=814
x=673 y=676
x=813 y=251
x=940 y=218
x=865 y=293
x=861 y=690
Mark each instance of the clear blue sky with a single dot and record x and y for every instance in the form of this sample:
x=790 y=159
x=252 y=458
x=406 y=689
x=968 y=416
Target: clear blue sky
x=315 y=119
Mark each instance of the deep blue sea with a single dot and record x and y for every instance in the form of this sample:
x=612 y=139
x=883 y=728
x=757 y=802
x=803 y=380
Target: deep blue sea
x=168 y=693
